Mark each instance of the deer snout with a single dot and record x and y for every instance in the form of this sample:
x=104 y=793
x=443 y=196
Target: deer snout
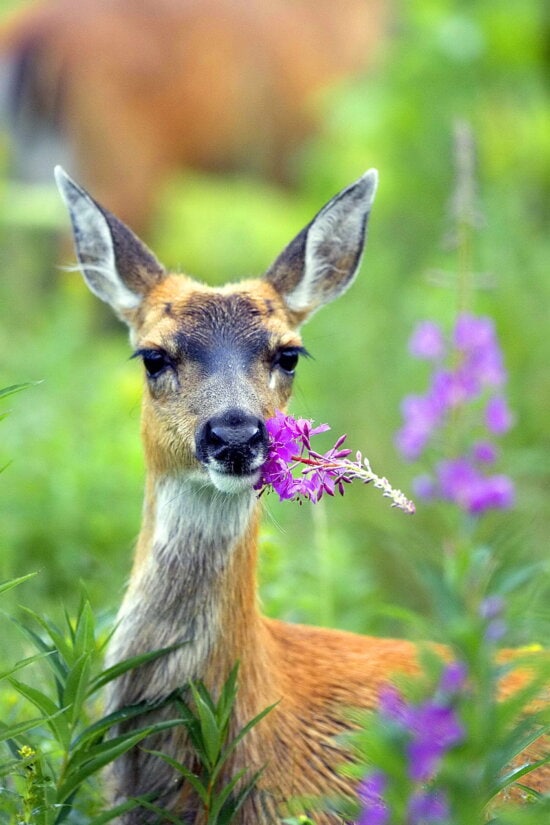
x=234 y=443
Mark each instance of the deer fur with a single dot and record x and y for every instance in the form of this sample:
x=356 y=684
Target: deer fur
x=219 y=362
x=129 y=92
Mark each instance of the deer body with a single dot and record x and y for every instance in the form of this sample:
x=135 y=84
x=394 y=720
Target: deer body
x=219 y=363
x=129 y=92
x=200 y=587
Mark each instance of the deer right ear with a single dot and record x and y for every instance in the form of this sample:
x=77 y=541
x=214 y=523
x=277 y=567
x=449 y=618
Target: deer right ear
x=117 y=266
x=322 y=261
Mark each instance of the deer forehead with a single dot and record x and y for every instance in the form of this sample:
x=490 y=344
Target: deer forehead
x=182 y=315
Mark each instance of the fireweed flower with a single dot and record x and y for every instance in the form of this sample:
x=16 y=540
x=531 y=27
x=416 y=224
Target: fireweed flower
x=428 y=807
x=321 y=473
x=491 y=610
x=432 y=727
x=428 y=731
x=427 y=341
x=468 y=376
x=371 y=795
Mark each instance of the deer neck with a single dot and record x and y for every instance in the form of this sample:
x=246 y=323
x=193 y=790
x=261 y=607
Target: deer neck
x=193 y=582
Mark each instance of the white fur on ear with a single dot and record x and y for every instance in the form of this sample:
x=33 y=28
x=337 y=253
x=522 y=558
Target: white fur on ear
x=324 y=258
x=334 y=245
x=95 y=246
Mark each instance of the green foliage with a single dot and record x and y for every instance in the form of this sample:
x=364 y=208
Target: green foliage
x=498 y=724
x=5 y=392
x=50 y=770
x=207 y=722
x=55 y=757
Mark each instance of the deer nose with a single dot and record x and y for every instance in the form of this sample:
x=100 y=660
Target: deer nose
x=235 y=442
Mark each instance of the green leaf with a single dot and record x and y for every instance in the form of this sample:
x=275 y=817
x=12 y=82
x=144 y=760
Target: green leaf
x=128 y=805
x=22 y=664
x=191 y=723
x=74 y=692
x=7 y=768
x=241 y=734
x=516 y=774
x=115 y=748
x=95 y=732
x=84 y=637
x=8 y=585
x=54 y=660
x=14 y=388
x=210 y=732
x=129 y=664
x=222 y=796
x=13 y=731
x=233 y=806
x=55 y=633
x=227 y=698
x=192 y=778
x=166 y=815
x=202 y=691
x=54 y=717
x=83 y=755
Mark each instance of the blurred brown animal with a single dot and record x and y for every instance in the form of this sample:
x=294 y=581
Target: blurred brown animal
x=125 y=92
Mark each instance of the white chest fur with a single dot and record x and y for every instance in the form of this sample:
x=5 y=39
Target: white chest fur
x=176 y=595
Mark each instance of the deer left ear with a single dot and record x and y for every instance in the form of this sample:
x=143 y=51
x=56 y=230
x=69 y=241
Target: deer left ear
x=322 y=261
x=116 y=265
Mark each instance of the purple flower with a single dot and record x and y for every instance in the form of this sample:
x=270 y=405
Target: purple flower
x=462 y=483
x=457 y=478
x=394 y=707
x=484 y=452
x=427 y=341
x=435 y=728
x=374 y=808
x=422 y=416
x=453 y=678
x=473 y=333
x=498 y=417
x=290 y=446
x=425 y=487
x=486 y=367
x=426 y=807
x=491 y=609
x=469 y=371
x=432 y=727
x=491 y=493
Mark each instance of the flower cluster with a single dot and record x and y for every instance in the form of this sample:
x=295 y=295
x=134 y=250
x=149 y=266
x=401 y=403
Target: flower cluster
x=429 y=730
x=469 y=378
x=290 y=447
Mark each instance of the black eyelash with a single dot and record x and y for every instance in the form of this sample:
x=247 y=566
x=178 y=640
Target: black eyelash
x=156 y=361
x=287 y=358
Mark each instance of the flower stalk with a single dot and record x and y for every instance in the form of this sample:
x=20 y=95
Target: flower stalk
x=321 y=473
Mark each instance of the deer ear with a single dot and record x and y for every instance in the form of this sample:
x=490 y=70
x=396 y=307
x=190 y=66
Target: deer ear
x=322 y=261
x=117 y=266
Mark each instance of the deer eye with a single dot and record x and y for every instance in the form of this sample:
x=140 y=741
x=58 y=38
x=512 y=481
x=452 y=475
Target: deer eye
x=287 y=358
x=155 y=361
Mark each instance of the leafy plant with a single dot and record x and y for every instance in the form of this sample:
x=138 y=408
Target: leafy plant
x=208 y=724
x=5 y=392
x=51 y=771
x=472 y=731
x=48 y=774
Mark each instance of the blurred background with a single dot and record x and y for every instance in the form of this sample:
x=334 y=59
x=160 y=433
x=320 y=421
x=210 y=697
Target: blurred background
x=217 y=130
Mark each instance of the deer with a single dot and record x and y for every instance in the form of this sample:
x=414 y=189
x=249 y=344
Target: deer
x=129 y=93
x=218 y=362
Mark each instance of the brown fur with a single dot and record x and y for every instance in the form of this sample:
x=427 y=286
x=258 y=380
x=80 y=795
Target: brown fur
x=141 y=88
x=194 y=574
